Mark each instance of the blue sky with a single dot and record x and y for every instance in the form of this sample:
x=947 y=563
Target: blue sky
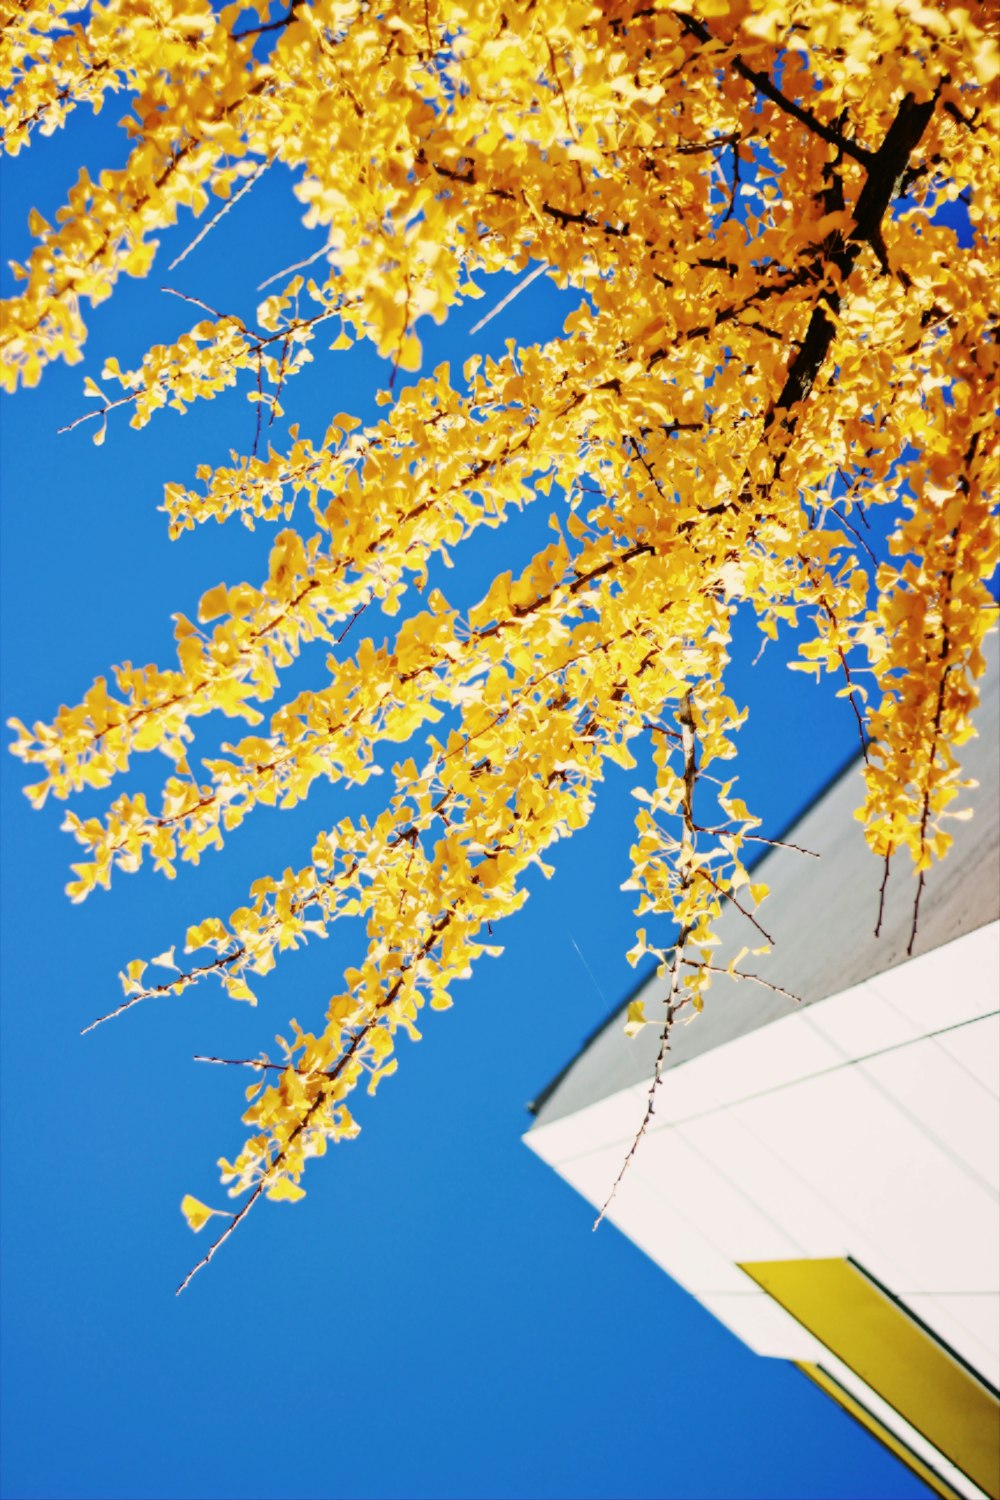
x=436 y=1318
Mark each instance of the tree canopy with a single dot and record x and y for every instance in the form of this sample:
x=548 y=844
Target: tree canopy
x=776 y=333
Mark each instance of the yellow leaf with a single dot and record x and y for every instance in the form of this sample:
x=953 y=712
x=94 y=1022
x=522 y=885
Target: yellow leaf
x=380 y=1073
x=636 y=1018
x=214 y=603
x=134 y=970
x=285 y=1191
x=238 y=989
x=409 y=353
x=198 y=1214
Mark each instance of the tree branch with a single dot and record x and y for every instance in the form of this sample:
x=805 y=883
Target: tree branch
x=885 y=170
x=685 y=718
x=763 y=85
x=278 y=25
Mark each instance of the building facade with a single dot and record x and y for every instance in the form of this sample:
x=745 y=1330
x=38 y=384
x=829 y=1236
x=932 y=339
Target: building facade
x=823 y=1174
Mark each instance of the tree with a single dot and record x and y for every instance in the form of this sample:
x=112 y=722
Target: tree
x=776 y=332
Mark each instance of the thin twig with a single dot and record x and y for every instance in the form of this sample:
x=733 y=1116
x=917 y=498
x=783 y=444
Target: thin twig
x=881 y=893
x=357 y=613
x=436 y=929
x=565 y=104
x=267 y=1067
x=111 y=1015
x=196 y=302
x=739 y=906
x=300 y=265
x=99 y=411
x=694 y=963
x=278 y=25
x=229 y=203
x=852 y=697
x=282 y=371
x=734 y=189
x=854 y=530
x=661 y=729
x=942 y=685
x=250 y=1062
x=758 y=838
x=916 y=915
x=644 y=461
x=506 y=301
x=230 y=1228
x=260 y=401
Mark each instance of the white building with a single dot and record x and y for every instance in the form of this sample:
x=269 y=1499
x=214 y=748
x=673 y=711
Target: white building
x=824 y=1176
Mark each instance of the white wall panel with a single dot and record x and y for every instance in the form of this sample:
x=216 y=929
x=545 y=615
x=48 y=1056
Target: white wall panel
x=931 y=1227
x=614 y=1118
x=951 y=985
x=656 y=1226
x=727 y=1217
x=769 y=1058
x=763 y=1325
x=859 y=1022
x=976 y=1048
x=945 y=1101
x=866 y=1125
x=795 y=1203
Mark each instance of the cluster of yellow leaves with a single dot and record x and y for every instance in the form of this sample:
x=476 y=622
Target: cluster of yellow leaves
x=680 y=874
x=766 y=343
x=931 y=618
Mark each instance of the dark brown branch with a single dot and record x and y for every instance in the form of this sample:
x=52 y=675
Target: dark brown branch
x=882 y=890
x=762 y=83
x=916 y=915
x=644 y=461
x=729 y=896
x=758 y=838
x=885 y=169
x=278 y=25
x=855 y=532
x=695 y=963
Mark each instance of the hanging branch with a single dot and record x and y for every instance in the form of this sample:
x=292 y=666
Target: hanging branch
x=330 y=1077
x=689 y=838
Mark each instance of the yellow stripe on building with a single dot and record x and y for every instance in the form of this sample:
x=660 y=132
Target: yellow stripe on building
x=895 y=1356
x=878 y=1429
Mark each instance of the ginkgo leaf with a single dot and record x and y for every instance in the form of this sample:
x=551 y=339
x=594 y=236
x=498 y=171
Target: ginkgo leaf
x=636 y=1018
x=214 y=603
x=285 y=1191
x=238 y=989
x=198 y=1214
